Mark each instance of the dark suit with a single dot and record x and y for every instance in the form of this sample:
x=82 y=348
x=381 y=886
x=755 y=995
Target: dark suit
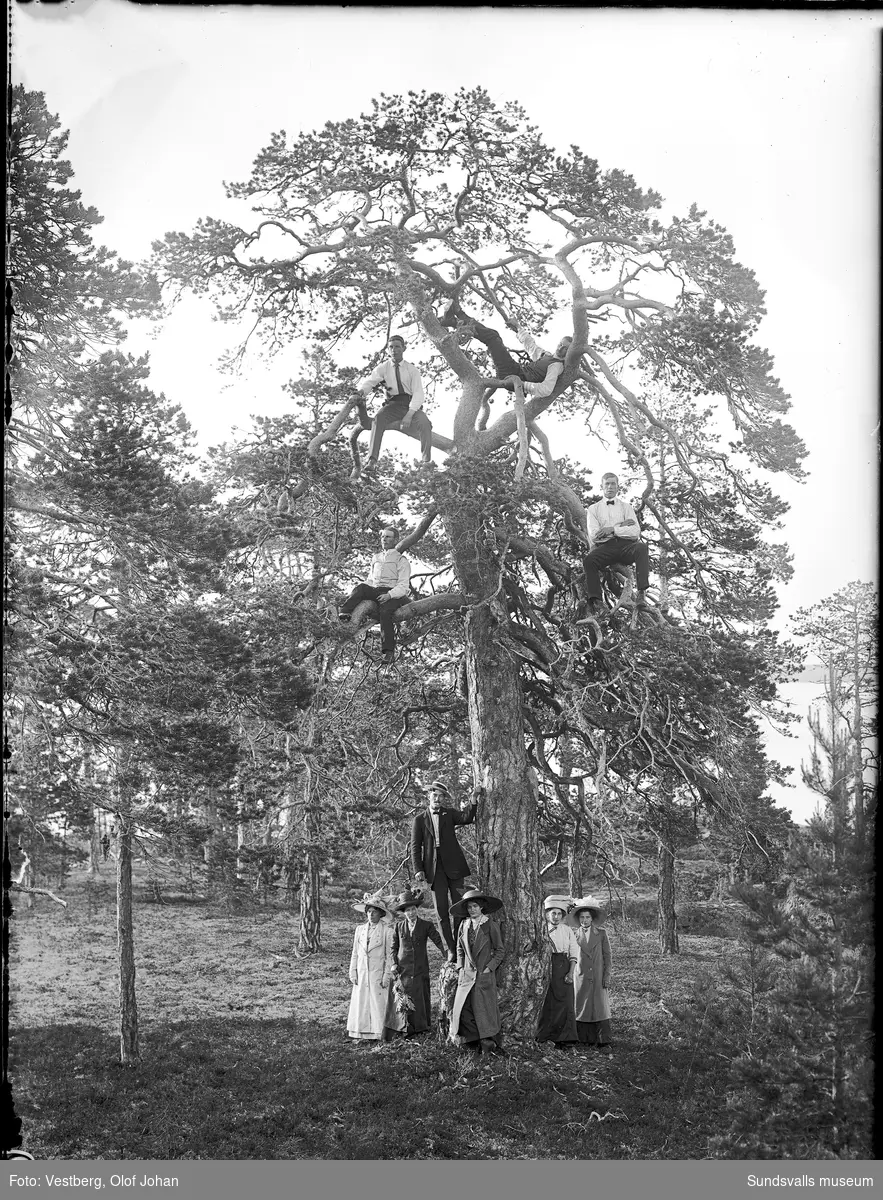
x=444 y=865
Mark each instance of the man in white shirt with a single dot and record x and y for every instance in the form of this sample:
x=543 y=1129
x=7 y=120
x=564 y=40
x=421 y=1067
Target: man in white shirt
x=387 y=584
x=616 y=538
x=403 y=403
x=539 y=376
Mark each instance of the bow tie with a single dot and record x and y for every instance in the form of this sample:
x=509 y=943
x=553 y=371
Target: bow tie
x=611 y=501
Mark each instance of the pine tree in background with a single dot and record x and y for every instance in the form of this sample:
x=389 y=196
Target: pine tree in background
x=801 y=1008
x=793 y=1012
x=841 y=633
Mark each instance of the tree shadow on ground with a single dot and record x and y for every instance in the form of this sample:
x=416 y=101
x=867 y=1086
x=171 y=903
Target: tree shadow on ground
x=281 y=1089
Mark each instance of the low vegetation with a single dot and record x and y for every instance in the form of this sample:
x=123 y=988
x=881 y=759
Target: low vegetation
x=245 y=1053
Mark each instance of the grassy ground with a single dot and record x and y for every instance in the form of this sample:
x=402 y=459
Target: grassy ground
x=245 y=1053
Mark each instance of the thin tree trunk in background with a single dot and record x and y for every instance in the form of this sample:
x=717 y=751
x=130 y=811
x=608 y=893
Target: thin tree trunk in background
x=210 y=846
x=29 y=879
x=840 y=767
x=309 y=933
x=62 y=870
x=240 y=840
x=574 y=863
x=576 y=847
x=130 y=1053
x=177 y=820
x=95 y=843
x=667 y=920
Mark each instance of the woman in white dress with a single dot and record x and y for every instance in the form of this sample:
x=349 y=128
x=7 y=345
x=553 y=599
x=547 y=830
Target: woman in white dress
x=370 y=968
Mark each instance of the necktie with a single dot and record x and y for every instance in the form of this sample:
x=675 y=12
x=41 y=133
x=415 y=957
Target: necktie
x=398 y=379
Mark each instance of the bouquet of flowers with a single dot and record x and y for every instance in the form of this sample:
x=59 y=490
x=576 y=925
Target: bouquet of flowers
x=401 y=1001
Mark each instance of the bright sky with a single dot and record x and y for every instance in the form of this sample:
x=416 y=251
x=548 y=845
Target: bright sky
x=768 y=120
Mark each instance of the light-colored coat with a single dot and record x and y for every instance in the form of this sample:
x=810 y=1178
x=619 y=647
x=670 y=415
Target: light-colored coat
x=592 y=976
x=487 y=952
x=369 y=975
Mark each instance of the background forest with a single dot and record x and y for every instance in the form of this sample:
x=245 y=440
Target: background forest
x=189 y=720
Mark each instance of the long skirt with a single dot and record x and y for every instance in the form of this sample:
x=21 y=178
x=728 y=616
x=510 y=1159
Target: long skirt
x=368 y=1003
x=417 y=989
x=592 y=1033
x=468 y=1028
x=416 y=1019
x=557 y=1021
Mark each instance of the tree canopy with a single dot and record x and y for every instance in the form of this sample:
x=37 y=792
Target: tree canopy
x=429 y=209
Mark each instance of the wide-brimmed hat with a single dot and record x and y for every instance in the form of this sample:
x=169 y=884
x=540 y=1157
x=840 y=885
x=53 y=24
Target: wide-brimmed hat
x=562 y=902
x=375 y=900
x=406 y=899
x=586 y=904
x=491 y=903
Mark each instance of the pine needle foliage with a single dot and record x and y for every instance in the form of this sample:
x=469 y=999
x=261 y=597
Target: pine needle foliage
x=792 y=1011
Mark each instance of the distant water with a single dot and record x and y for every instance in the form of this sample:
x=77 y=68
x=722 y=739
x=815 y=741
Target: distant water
x=791 y=750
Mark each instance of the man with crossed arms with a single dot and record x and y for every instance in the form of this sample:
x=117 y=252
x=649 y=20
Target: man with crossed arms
x=616 y=538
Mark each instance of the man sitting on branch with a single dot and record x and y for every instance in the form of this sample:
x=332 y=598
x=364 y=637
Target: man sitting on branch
x=387 y=585
x=616 y=538
x=403 y=406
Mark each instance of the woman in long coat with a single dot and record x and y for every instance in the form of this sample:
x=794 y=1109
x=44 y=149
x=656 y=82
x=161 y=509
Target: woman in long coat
x=370 y=965
x=475 y=1019
x=592 y=978
x=410 y=967
x=557 y=1019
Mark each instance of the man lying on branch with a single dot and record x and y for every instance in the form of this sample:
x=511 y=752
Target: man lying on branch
x=538 y=376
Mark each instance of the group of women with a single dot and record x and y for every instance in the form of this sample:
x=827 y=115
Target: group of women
x=389 y=971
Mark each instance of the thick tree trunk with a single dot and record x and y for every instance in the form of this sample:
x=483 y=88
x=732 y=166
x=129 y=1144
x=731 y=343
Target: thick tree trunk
x=667 y=918
x=506 y=824
x=130 y=1053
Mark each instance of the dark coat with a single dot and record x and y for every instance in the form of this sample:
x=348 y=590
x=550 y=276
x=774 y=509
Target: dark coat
x=487 y=952
x=452 y=859
x=411 y=964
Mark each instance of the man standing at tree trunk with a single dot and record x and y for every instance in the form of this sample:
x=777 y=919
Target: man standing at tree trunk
x=616 y=538
x=437 y=858
x=403 y=403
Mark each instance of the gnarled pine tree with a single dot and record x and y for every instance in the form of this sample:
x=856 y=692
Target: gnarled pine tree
x=429 y=202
